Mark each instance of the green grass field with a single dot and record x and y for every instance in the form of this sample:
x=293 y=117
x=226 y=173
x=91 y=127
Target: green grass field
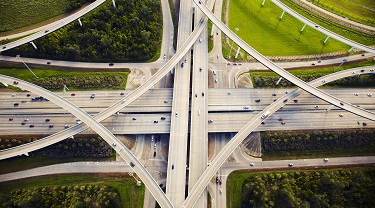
x=25 y=74
x=22 y=13
x=262 y=28
x=362 y=11
x=131 y=194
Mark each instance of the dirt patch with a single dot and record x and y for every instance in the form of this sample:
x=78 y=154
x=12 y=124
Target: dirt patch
x=128 y=140
x=252 y=145
x=165 y=146
x=244 y=81
x=135 y=79
x=210 y=79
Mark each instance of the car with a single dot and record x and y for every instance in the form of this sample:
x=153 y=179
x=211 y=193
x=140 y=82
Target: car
x=132 y=164
x=46 y=31
x=251 y=164
x=10 y=119
x=201 y=21
x=240 y=64
x=286 y=92
x=28 y=95
x=154 y=146
x=214 y=72
x=165 y=101
x=122 y=93
x=319 y=61
x=172 y=166
x=23 y=123
x=48 y=62
x=66 y=126
x=290 y=164
x=246 y=107
x=217 y=179
x=210 y=121
x=200 y=40
x=229 y=93
x=13 y=95
x=156 y=121
x=221 y=191
x=23 y=101
x=273 y=94
x=317 y=106
x=325 y=160
x=200 y=2
x=162 y=118
x=228 y=63
x=263 y=123
x=114 y=144
x=93 y=95
x=274 y=100
x=344 y=60
x=369 y=94
x=283 y=123
x=79 y=122
x=15 y=82
x=50 y=126
x=31 y=126
x=154 y=154
x=220 y=181
x=73 y=94
x=362 y=70
x=196 y=95
x=199 y=112
x=176 y=114
x=355 y=94
x=134 y=119
x=371 y=70
x=215 y=80
x=16 y=104
x=341 y=115
x=200 y=69
x=182 y=65
x=353 y=72
x=364 y=124
x=26 y=119
x=257 y=100
x=341 y=103
x=280 y=119
x=286 y=100
x=111 y=64
x=4 y=47
x=296 y=101
x=324 y=81
x=202 y=94
x=316 y=26
x=313 y=64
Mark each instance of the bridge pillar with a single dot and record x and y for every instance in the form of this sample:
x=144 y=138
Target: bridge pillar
x=238 y=51
x=212 y=30
x=330 y=108
x=326 y=40
x=278 y=81
x=114 y=3
x=263 y=2
x=33 y=44
x=282 y=14
x=79 y=21
x=303 y=27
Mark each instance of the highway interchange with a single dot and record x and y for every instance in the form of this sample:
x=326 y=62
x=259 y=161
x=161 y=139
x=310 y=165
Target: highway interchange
x=181 y=108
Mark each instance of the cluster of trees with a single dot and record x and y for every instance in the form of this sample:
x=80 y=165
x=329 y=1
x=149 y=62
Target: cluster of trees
x=97 y=81
x=284 y=141
x=78 y=147
x=360 y=81
x=321 y=188
x=63 y=196
x=75 y=4
x=129 y=33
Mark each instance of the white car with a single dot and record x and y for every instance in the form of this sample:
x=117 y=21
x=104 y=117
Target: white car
x=326 y=160
x=251 y=164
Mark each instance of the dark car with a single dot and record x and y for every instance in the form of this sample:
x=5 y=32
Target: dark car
x=273 y=94
x=46 y=31
x=296 y=101
x=156 y=121
x=182 y=65
x=122 y=93
x=162 y=118
x=154 y=154
x=132 y=164
x=16 y=104
x=286 y=100
x=50 y=126
x=31 y=126
x=23 y=123
x=257 y=100
x=202 y=94
x=73 y=94
x=4 y=47
x=111 y=64
x=364 y=124
x=172 y=166
x=48 y=62
x=28 y=95
x=280 y=119
x=10 y=119
x=217 y=179
x=47 y=119
x=283 y=123
x=15 y=82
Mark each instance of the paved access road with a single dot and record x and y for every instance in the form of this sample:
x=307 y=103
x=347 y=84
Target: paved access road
x=58 y=25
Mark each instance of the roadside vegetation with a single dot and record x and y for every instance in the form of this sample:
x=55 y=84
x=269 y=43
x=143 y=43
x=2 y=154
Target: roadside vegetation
x=79 y=190
x=340 y=187
x=55 y=79
x=81 y=148
x=310 y=144
x=130 y=33
x=362 y=11
x=269 y=35
x=268 y=79
x=16 y=14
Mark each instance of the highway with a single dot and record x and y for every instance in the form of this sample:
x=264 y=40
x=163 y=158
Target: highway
x=58 y=25
x=322 y=29
x=117 y=145
x=283 y=73
x=252 y=125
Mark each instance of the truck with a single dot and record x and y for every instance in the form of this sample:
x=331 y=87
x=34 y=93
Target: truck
x=265 y=115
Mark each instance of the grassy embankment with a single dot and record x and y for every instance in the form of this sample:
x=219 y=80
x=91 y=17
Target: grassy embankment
x=265 y=32
x=21 y=15
x=25 y=74
x=131 y=194
x=356 y=10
